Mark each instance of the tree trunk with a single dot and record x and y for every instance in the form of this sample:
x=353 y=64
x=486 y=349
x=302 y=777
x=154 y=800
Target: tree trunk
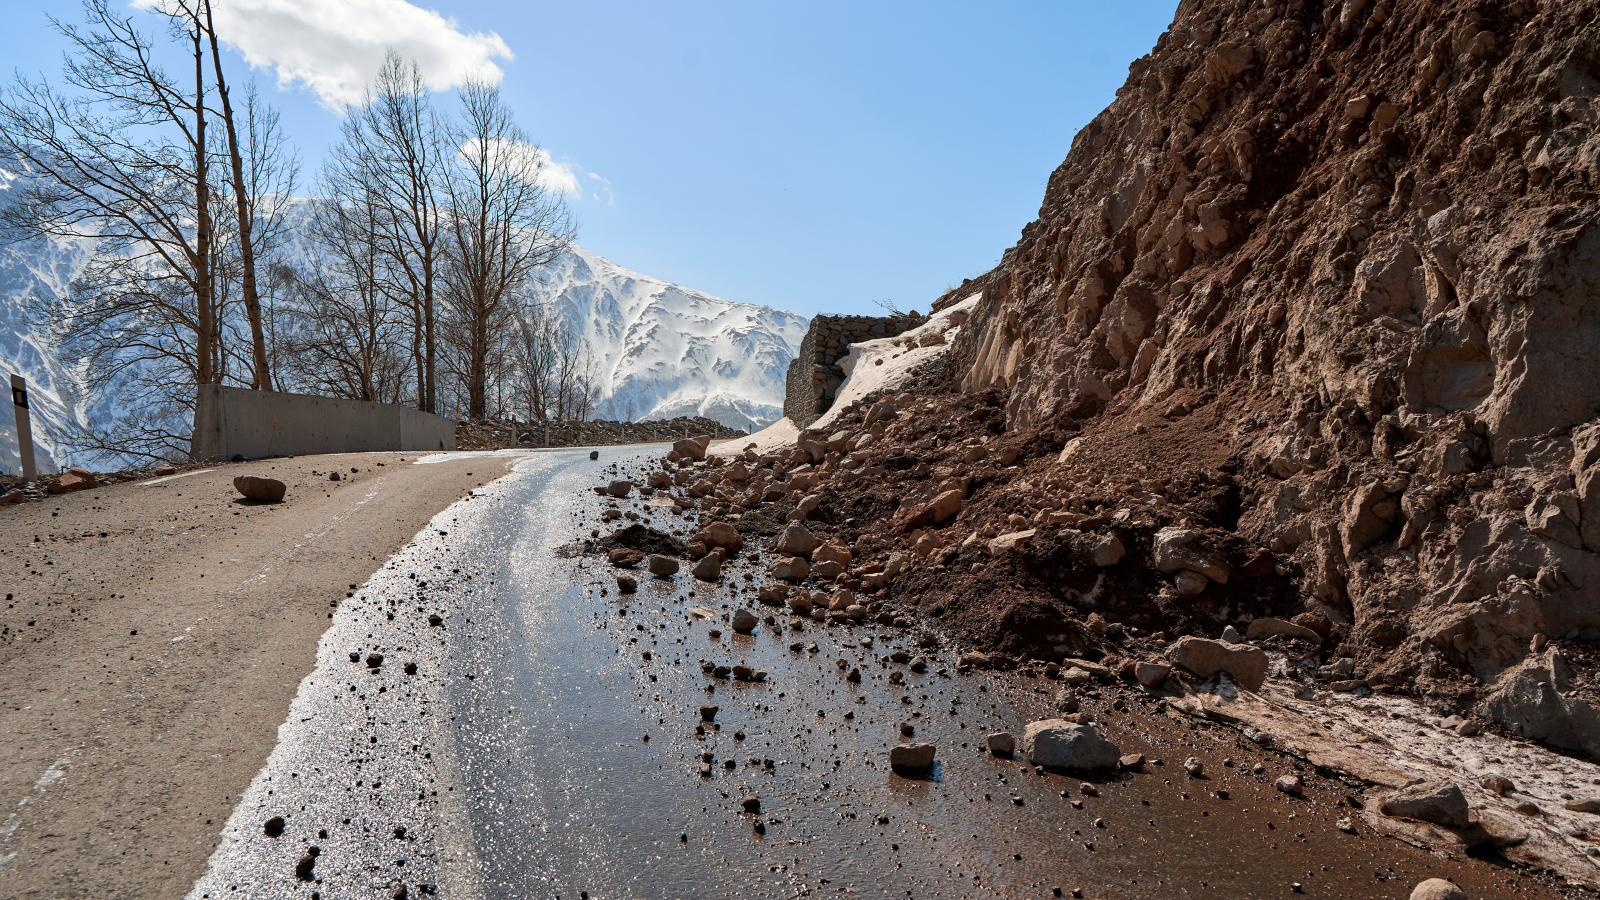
x=262 y=377
x=206 y=345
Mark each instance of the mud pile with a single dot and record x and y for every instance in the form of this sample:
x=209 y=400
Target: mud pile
x=1307 y=325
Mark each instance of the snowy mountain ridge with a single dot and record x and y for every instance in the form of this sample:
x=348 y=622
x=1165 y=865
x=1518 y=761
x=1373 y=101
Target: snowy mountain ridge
x=664 y=351
x=660 y=350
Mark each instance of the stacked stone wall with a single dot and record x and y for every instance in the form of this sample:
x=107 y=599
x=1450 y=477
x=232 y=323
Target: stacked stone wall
x=815 y=374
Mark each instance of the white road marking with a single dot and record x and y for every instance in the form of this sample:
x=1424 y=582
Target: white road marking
x=171 y=477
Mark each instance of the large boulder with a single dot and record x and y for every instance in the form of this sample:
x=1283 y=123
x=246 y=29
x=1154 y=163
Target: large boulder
x=1204 y=657
x=1439 y=802
x=1178 y=549
x=692 y=448
x=1530 y=700
x=254 y=487
x=720 y=534
x=1067 y=745
x=796 y=540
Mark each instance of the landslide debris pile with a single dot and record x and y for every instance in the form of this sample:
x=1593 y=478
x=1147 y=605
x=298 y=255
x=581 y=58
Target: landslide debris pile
x=1339 y=263
x=595 y=433
x=1301 y=349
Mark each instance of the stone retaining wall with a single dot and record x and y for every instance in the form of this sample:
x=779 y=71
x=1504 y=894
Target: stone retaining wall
x=815 y=374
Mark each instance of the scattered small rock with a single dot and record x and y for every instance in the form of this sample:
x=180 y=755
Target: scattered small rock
x=745 y=621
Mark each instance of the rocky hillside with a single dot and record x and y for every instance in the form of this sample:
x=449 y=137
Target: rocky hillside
x=1323 y=284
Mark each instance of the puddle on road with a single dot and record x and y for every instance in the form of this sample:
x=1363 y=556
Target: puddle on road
x=517 y=757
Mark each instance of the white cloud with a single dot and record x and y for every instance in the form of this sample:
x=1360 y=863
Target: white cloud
x=334 y=47
x=609 y=199
x=557 y=177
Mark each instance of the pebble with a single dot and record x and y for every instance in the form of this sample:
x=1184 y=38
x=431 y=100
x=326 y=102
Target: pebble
x=274 y=827
x=1290 y=784
x=1194 y=767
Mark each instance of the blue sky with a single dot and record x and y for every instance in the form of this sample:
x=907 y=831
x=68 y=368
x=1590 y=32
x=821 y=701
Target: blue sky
x=814 y=156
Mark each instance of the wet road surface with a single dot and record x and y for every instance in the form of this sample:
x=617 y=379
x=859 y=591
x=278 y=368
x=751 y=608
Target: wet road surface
x=528 y=732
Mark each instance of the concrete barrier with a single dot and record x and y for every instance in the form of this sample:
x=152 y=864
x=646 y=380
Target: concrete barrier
x=253 y=424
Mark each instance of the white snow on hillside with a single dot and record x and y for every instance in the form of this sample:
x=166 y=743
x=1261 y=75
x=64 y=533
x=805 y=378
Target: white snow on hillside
x=660 y=350
x=664 y=351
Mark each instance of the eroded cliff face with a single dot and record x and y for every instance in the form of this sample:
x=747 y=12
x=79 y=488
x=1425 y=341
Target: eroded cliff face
x=1344 y=256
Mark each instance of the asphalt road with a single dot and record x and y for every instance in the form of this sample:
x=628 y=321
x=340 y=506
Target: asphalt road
x=530 y=733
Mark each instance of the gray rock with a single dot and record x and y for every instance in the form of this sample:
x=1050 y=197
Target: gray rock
x=1439 y=802
x=1067 y=745
x=663 y=565
x=1180 y=548
x=1246 y=665
x=911 y=756
x=1002 y=743
x=1437 y=889
x=620 y=488
x=1191 y=584
x=1290 y=784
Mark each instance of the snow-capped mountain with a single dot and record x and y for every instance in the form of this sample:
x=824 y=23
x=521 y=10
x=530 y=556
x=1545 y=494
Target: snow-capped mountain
x=664 y=351
x=660 y=350
x=37 y=268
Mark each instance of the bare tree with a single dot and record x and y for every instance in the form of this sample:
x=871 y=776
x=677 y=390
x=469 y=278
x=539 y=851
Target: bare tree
x=393 y=147
x=503 y=224
x=123 y=159
x=349 y=334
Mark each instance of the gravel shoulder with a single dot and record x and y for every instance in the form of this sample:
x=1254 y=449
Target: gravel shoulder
x=152 y=637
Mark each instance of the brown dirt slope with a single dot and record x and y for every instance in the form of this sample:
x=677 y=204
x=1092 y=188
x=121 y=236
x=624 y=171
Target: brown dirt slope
x=151 y=639
x=1353 y=249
